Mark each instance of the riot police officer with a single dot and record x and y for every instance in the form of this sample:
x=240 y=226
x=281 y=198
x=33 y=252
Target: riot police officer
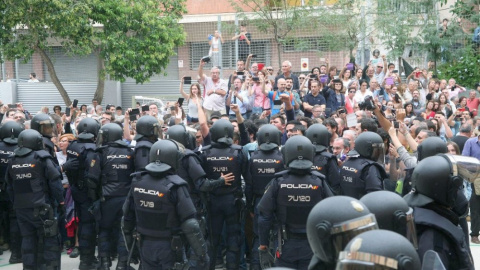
x=148 y=130
x=331 y=224
x=392 y=213
x=45 y=125
x=109 y=173
x=163 y=209
x=369 y=251
x=191 y=170
x=361 y=174
x=324 y=162
x=263 y=164
x=9 y=132
x=433 y=198
x=290 y=196
x=225 y=205
x=35 y=188
x=79 y=154
x=427 y=148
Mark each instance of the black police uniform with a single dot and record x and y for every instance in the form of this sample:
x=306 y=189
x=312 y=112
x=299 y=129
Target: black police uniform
x=34 y=184
x=50 y=148
x=289 y=198
x=225 y=204
x=110 y=170
x=161 y=204
x=141 y=153
x=326 y=164
x=361 y=176
x=82 y=151
x=262 y=167
x=8 y=223
x=444 y=236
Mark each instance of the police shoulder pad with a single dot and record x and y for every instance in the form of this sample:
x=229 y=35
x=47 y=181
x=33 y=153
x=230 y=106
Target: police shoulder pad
x=101 y=148
x=206 y=148
x=143 y=144
x=176 y=180
x=43 y=154
x=281 y=173
x=327 y=154
x=318 y=174
x=90 y=146
x=236 y=147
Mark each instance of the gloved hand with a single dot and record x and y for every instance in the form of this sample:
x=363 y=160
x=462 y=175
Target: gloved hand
x=71 y=164
x=204 y=262
x=266 y=259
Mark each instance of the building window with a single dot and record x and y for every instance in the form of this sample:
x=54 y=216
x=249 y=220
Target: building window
x=260 y=48
x=305 y=44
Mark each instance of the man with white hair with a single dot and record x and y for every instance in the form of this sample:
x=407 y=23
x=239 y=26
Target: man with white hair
x=454 y=88
x=215 y=90
x=287 y=73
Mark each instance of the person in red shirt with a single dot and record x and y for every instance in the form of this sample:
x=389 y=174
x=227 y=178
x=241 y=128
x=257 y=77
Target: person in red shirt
x=473 y=101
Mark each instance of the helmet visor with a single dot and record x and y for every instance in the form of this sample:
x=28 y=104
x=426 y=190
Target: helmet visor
x=411 y=233
x=364 y=261
x=378 y=152
x=467 y=168
x=342 y=233
x=47 y=128
x=100 y=138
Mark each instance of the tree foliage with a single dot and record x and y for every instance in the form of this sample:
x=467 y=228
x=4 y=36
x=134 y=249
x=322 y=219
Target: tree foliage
x=464 y=68
x=132 y=38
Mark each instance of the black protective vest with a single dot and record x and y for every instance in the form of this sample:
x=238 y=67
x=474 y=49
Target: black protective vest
x=190 y=170
x=78 y=150
x=142 y=154
x=407 y=181
x=50 y=148
x=6 y=151
x=320 y=161
x=29 y=179
x=352 y=183
x=263 y=167
x=223 y=160
x=117 y=166
x=297 y=195
x=155 y=211
x=460 y=257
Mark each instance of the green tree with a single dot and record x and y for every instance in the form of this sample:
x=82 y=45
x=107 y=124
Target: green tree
x=284 y=19
x=132 y=38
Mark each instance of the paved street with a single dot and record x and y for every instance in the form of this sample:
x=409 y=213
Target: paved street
x=72 y=264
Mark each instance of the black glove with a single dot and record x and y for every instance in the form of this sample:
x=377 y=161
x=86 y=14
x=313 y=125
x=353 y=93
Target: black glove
x=266 y=259
x=61 y=211
x=71 y=164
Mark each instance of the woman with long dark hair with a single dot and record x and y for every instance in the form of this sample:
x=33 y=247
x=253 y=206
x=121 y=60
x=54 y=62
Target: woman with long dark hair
x=195 y=93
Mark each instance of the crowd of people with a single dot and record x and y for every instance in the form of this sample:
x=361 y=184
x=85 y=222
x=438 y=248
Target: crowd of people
x=250 y=171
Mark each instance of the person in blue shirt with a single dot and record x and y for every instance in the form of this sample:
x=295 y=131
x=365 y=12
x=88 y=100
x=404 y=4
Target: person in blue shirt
x=275 y=95
x=313 y=98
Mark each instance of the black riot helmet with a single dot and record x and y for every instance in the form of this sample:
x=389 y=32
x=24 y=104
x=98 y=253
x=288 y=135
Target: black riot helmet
x=298 y=153
x=29 y=140
x=269 y=137
x=379 y=249
x=392 y=213
x=430 y=147
x=434 y=180
x=147 y=126
x=222 y=132
x=333 y=222
x=88 y=129
x=319 y=136
x=9 y=132
x=370 y=145
x=111 y=132
x=44 y=124
x=180 y=134
x=164 y=155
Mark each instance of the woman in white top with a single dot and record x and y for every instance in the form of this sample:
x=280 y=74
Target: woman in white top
x=346 y=77
x=195 y=93
x=214 y=51
x=363 y=92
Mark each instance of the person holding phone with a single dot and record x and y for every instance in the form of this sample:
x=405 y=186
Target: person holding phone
x=238 y=97
x=261 y=101
x=194 y=94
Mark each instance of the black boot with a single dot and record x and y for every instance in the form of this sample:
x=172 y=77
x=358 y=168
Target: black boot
x=15 y=257
x=122 y=265
x=105 y=263
x=88 y=265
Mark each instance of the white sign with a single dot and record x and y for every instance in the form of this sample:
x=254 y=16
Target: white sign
x=304 y=64
x=180 y=63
